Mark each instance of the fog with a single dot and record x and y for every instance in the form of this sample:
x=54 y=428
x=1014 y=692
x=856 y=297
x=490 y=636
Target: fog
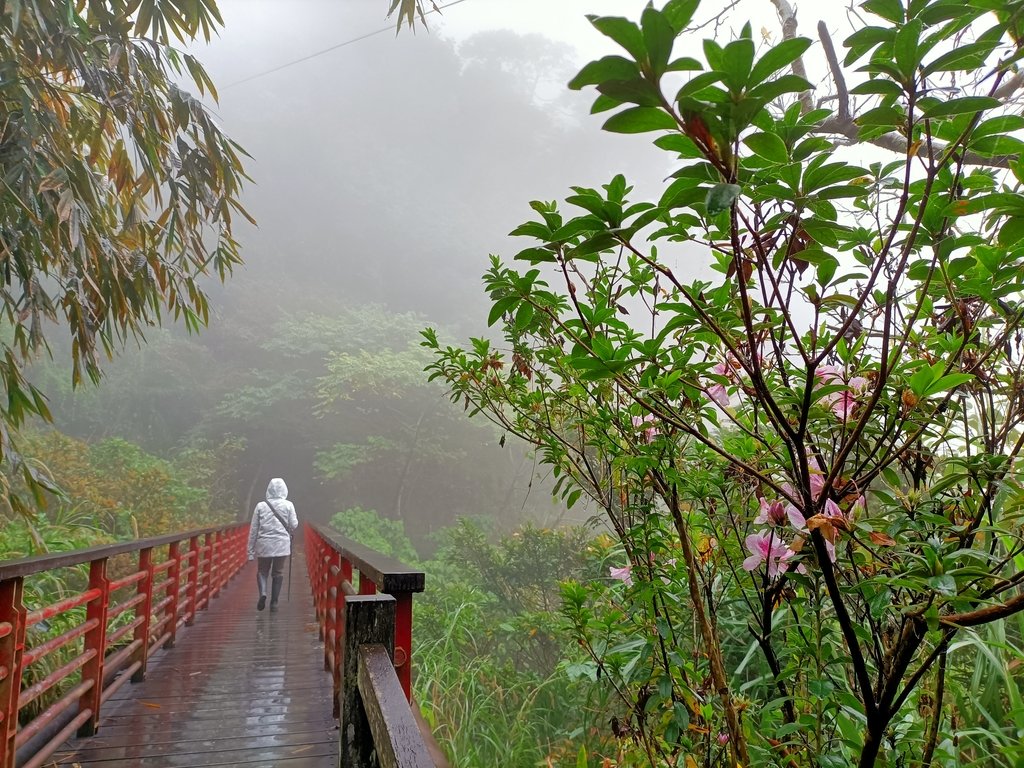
x=385 y=169
x=390 y=168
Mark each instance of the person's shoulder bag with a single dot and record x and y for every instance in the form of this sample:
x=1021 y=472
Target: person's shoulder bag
x=281 y=520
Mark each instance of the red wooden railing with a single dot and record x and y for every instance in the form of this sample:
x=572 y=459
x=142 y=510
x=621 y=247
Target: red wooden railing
x=171 y=579
x=332 y=560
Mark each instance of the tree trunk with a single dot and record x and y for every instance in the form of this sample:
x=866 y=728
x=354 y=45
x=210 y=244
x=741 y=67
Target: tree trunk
x=403 y=479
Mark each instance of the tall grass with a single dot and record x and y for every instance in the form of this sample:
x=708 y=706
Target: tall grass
x=988 y=716
x=489 y=710
x=490 y=647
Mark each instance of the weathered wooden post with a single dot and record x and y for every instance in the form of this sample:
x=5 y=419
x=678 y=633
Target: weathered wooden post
x=369 y=619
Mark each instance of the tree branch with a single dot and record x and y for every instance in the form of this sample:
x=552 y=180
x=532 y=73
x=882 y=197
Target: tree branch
x=787 y=15
x=894 y=142
x=985 y=615
x=842 y=93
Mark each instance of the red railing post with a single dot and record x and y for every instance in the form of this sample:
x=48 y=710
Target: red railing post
x=192 y=590
x=222 y=560
x=366 y=587
x=225 y=559
x=207 y=576
x=313 y=559
x=327 y=604
x=338 y=606
x=403 y=641
x=96 y=641
x=241 y=539
x=216 y=566
x=144 y=611
x=323 y=587
x=12 y=647
x=173 y=590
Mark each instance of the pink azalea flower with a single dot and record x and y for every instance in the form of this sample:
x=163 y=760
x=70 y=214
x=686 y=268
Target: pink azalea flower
x=778 y=513
x=842 y=403
x=837 y=520
x=717 y=392
x=773 y=514
x=831 y=549
x=784 y=561
x=817 y=478
x=765 y=549
x=648 y=426
x=833 y=511
x=829 y=373
x=622 y=574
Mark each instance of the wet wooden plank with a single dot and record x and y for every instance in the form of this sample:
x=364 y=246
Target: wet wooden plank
x=240 y=688
x=396 y=737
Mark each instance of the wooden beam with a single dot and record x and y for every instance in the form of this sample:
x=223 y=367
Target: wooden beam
x=396 y=736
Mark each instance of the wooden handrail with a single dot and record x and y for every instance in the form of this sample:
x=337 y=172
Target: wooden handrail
x=26 y=566
x=389 y=575
x=331 y=560
x=367 y=632
x=148 y=605
x=396 y=736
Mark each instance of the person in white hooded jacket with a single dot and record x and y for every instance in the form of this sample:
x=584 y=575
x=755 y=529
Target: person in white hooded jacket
x=270 y=540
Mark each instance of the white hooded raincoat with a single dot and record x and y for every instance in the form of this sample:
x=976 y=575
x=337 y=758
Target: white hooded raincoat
x=270 y=533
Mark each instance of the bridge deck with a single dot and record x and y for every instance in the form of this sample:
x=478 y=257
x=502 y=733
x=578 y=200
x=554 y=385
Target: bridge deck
x=240 y=688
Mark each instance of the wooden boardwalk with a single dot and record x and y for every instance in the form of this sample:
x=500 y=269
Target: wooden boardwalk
x=240 y=688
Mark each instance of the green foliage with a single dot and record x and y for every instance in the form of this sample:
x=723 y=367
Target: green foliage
x=115 y=490
x=811 y=460
x=490 y=648
x=110 y=491
x=368 y=528
x=523 y=568
x=248 y=404
x=490 y=662
x=119 y=188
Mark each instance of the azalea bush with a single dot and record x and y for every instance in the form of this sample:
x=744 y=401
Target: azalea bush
x=811 y=460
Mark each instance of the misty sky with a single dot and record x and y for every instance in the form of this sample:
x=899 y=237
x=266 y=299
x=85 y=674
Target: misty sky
x=394 y=166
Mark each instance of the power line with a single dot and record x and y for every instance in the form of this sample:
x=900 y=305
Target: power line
x=278 y=68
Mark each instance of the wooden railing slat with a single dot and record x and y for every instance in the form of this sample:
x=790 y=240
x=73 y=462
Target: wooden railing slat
x=26 y=566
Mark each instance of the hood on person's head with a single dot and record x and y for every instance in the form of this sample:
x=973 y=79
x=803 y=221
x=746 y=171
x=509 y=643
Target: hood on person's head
x=277 y=490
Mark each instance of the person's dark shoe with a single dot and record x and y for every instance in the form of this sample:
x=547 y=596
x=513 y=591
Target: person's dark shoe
x=273 y=607
x=262 y=603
